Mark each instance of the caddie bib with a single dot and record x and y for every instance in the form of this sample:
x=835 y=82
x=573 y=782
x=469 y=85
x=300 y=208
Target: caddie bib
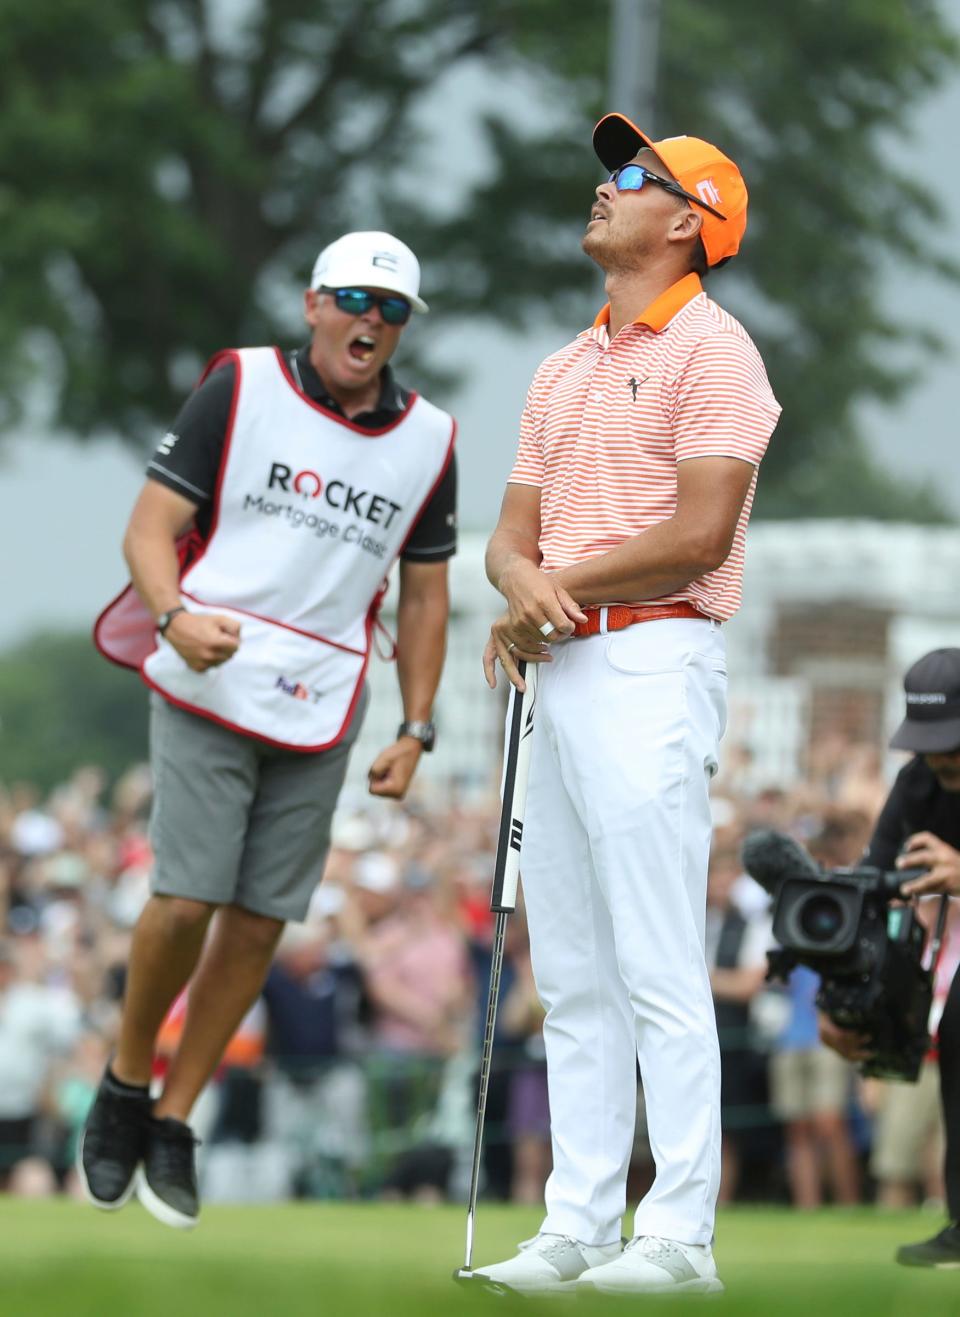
x=309 y=514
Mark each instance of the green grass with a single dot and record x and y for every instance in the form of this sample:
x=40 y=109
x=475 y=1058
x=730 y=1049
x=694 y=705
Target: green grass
x=335 y=1260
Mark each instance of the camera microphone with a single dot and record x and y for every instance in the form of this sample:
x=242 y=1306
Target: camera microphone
x=769 y=857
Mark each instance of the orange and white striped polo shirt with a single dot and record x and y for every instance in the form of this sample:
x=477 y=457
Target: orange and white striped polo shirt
x=605 y=424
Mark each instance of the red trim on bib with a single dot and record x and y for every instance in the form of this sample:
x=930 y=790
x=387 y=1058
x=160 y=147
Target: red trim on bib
x=199 y=547
x=125 y=632
x=275 y=621
x=127 y=601
x=433 y=488
x=381 y=629
x=267 y=740
x=235 y=357
x=337 y=416
x=228 y=354
x=378 y=601
x=256 y=736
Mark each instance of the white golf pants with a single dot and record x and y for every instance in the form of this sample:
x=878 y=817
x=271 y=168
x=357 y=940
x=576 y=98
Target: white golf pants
x=614 y=869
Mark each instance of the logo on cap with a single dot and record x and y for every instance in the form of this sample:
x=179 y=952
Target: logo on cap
x=385 y=261
x=707 y=191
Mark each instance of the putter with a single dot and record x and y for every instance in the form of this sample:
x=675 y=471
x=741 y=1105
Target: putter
x=503 y=901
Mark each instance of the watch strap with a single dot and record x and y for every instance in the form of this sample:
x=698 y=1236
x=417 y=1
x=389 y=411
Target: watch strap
x=421 y=731
x=164 y=620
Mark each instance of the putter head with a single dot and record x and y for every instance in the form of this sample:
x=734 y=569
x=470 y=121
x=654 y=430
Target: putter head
x=475 y=1281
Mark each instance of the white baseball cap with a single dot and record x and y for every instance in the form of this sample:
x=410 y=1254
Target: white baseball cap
x=370 y=260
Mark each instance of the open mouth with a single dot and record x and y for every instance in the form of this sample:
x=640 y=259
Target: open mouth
x=362 y=347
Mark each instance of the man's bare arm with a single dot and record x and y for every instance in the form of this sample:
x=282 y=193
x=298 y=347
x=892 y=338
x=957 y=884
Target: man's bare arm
x=159 y=518
x=422 y=614
x=533 y=597
x=695 y=540
x=516 y=540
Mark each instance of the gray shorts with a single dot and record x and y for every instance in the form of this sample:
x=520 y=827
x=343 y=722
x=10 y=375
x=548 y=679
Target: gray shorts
x=238 y=822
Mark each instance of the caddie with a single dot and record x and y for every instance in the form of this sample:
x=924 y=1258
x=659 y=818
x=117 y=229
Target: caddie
x=259 y=546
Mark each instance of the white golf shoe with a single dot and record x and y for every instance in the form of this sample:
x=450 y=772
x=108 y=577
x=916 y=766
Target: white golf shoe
x=650 y=1265
x=548 y=1264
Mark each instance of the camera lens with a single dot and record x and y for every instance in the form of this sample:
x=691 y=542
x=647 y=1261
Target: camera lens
x=821 y=918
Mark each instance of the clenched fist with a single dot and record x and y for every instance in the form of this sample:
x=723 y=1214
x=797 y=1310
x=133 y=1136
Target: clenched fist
x=203 y=640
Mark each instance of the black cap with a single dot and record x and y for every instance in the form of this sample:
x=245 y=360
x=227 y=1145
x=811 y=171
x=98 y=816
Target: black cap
x=932 y=724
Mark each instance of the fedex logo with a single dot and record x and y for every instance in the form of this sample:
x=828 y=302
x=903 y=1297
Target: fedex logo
x=297 y=690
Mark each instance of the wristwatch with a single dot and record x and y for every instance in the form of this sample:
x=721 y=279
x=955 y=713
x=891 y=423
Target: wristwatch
x=164 y=620
x=423 y=732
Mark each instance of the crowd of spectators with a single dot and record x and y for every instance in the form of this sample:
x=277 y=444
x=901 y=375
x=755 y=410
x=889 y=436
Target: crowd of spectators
x=355 y=1073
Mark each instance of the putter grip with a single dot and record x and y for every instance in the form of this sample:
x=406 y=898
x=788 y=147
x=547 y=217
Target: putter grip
x=513 y=790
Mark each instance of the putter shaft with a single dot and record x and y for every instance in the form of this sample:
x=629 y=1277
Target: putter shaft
x=486 y=1057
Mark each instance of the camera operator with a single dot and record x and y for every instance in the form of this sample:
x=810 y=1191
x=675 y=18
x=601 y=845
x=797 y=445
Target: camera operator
x=919 y=828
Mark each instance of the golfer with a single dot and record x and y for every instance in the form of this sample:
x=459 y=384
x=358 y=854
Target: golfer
x=619 y=552
x=303 y=477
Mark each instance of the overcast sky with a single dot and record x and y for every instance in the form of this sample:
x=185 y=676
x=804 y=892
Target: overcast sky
x=65 y=505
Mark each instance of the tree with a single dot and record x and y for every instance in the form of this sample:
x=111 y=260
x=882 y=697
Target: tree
x=170 y=167
x=61 y=706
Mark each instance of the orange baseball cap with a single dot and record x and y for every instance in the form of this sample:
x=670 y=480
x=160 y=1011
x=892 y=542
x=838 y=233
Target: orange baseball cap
x=699 y=168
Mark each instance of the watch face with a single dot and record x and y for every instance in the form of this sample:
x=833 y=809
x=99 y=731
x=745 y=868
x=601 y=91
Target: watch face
x=164 y=620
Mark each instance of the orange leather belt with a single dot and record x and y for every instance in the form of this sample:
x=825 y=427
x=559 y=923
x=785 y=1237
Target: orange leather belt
x=624 y=615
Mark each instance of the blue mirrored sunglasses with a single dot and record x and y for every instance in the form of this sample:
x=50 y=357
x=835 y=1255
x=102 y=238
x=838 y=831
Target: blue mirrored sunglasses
x=358 y=301
x=631 y=178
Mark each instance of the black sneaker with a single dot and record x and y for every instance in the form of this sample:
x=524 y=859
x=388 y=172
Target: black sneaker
x=167 y=1183
x=941 y=1251
x=112 y=1142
